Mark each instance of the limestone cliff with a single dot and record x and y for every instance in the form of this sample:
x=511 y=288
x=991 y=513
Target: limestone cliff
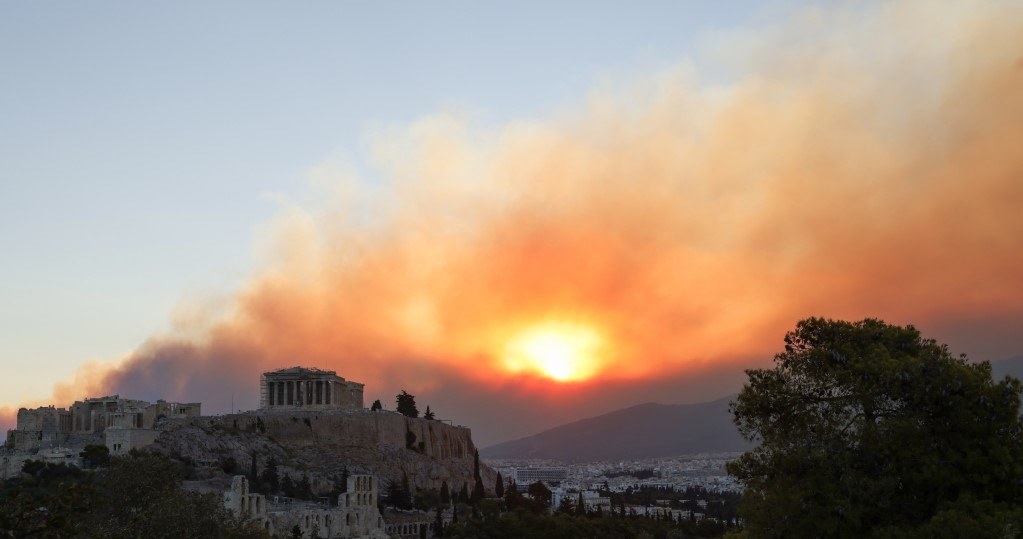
x=320 y=444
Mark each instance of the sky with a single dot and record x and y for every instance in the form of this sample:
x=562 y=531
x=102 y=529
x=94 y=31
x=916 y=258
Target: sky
x=524 y=214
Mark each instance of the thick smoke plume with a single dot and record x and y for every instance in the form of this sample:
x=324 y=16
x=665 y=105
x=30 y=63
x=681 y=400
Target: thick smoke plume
x=861 y=162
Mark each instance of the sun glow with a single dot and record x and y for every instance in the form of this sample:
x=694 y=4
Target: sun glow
x=559 y=351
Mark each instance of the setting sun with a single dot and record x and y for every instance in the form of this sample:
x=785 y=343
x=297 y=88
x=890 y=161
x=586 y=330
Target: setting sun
x=562 y=352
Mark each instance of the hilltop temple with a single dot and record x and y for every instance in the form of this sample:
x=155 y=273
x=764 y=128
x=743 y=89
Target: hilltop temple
x=308 y=388
x=57 y=434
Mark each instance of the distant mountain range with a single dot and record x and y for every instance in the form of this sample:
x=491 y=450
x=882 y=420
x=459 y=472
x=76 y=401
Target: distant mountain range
x=1012 y=367
x=643 y=431
x=653 y=430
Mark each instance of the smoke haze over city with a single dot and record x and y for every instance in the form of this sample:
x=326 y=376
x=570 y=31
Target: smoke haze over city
x=645 y=243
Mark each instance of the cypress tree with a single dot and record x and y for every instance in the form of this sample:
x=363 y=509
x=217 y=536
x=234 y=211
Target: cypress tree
x=477 y=492
x=270 y=474
x=445 y=494
x=406 y=493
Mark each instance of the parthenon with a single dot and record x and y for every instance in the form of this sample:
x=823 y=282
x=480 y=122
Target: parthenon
x=308 y=388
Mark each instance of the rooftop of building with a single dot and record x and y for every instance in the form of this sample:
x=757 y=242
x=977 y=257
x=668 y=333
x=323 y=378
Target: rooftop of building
x=300 y=370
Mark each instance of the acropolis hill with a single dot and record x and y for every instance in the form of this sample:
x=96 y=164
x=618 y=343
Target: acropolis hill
x=312 y=422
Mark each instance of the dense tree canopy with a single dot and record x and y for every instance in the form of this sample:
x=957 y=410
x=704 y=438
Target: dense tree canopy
x=139 y=495
x=867 y=429
x=540 y=492
x=407 y=404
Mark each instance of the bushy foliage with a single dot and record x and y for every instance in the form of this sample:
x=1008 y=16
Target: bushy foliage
x=868 y=429
x=139 y=495
x=95 y=455
x=399 y=495
x=406 y=404
x=523 y=523
x=540 y=492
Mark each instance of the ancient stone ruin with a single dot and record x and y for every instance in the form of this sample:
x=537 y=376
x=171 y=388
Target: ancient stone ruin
x=49 y=426
x=309 y=389
x=121 y=424
x=312 y=421
x=356 y=513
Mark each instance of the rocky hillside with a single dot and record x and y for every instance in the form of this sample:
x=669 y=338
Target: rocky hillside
x=321 y=444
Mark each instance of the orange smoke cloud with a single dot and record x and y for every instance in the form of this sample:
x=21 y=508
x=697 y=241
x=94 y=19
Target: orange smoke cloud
x=874 y=169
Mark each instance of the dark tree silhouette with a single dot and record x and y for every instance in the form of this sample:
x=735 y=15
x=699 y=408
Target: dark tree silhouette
x=270 y=476
x=95 y=455
x=406 y=404
x=541 y=493
x=866 y=426
x=478 y=492
x=445 y=493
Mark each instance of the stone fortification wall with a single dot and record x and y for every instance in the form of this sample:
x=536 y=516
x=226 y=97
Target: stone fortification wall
x=46 y=419
x=355 y=428
x=97 y=414
x=11 y=463
x=120 y=441
x=39 y=428
x=321 y=444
